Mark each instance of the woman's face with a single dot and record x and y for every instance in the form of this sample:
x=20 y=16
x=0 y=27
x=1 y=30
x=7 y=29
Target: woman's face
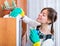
x=43 y=17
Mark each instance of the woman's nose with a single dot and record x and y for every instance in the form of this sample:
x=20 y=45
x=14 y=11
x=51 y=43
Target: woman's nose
x=40 y=15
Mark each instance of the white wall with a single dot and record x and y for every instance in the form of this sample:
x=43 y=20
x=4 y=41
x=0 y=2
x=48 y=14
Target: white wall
x=34 y=7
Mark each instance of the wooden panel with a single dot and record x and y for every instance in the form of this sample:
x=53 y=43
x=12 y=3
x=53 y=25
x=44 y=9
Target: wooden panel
x=7 y=32
x=23 y=5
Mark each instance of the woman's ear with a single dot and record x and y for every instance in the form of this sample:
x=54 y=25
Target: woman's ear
x=49 y=21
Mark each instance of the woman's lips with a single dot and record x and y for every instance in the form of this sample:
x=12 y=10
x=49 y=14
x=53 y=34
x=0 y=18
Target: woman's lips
x=39 y=18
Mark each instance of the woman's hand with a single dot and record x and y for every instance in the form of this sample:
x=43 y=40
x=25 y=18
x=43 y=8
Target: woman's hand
x=34 y=37
x=17 y=11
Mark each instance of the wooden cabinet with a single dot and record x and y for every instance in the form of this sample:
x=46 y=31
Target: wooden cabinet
x=7 y=32
x=8 y=25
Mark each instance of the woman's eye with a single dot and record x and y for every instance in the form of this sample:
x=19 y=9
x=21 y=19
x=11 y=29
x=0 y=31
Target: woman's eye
x=43 y=15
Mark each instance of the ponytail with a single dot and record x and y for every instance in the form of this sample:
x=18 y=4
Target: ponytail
x=52 y=30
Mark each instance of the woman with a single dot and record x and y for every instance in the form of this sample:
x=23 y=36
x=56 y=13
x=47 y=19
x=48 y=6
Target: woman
x=43 y=32
x=46 y=17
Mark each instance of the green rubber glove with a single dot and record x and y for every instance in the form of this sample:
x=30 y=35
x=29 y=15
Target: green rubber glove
x=34 y=35
x=14 y=13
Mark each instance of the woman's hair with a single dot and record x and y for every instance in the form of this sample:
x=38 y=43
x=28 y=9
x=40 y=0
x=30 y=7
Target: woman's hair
x=52 y=15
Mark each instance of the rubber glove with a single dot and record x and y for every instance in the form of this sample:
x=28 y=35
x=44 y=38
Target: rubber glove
x=17 y=11
x=34 y=37
x=36 y=44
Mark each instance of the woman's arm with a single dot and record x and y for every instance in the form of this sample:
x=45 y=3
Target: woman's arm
x=31 y=22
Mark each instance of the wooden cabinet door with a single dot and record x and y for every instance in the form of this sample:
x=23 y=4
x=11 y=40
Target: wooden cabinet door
x=7 y=32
